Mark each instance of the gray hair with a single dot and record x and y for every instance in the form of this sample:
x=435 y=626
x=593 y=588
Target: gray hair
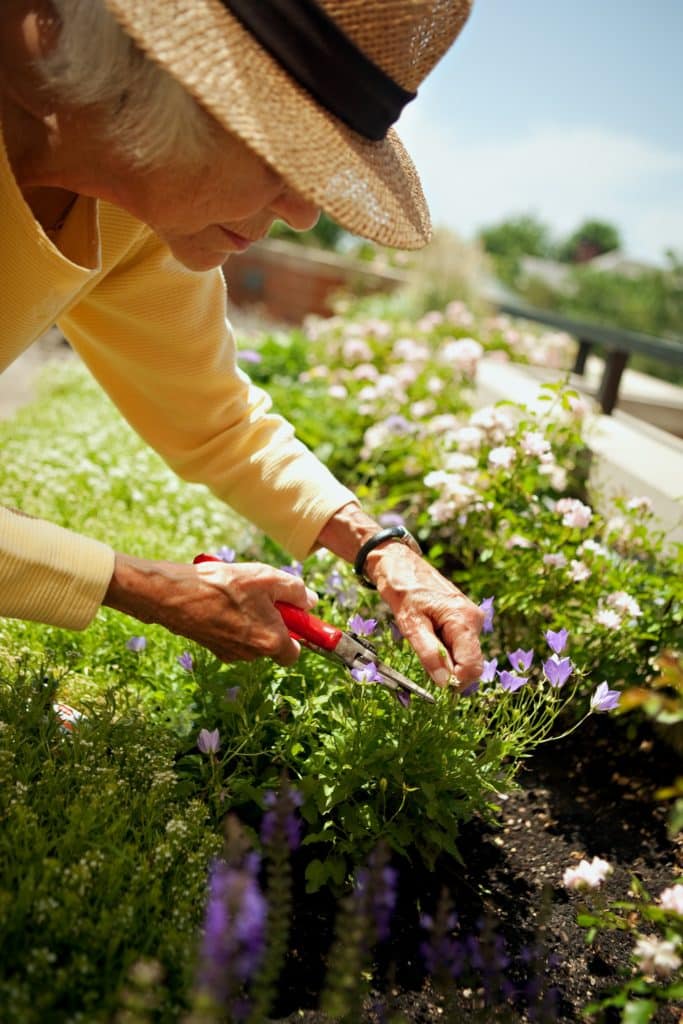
x=150 y=115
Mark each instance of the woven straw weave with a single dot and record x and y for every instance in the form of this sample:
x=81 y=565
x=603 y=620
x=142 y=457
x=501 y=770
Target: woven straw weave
x=370 y=188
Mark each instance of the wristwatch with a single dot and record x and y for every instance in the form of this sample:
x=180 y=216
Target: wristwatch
x=398 y=533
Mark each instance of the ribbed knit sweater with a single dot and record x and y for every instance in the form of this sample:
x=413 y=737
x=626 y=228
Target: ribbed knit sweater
x=155 y=336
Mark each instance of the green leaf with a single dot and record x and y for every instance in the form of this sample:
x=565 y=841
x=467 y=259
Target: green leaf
x=639 y=1012
x=316 y=876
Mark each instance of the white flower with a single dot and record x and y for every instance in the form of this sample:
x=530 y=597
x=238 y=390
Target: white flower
x=518 y=541
x=640 y=504
x=557 y=474
x=458 y=313
x=502 y=457
x=410 y=351
x=436 y=478
x=574 y=513
x=422 y=408
x=557 y=561
x=672 y=899
x=435 y=385
x=587 y=874
x=578 y=571
x=497 y=423
x=355 y=350
x=365 y=371
x=429 y=321
x=469 y=439
x=337 y=391
x=533 y=443
x=463 y=354
x=624 y=603
x=608 y=618
x=405 y=373
x=594 y=547
x=458 y=462
x=656 y=956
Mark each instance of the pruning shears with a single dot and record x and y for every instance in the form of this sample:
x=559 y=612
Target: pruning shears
x=356 y=653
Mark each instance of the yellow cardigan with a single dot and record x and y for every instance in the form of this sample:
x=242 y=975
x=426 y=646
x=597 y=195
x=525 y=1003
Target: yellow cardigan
x=155 y=336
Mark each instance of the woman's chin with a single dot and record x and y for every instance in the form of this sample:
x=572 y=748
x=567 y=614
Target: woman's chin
x=198 y=259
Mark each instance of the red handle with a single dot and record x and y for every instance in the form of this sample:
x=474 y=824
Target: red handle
x=301 y=625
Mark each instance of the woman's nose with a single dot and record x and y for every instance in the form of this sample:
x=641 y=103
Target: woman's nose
x=299 y=213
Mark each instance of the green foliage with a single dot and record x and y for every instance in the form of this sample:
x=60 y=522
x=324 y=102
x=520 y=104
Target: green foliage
x=654 y=976
x=326 y=234
x=103 y=856
x=513 y=238
x=592 y=238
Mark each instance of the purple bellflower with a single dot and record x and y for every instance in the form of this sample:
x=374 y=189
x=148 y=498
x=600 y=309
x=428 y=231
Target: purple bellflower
x=333 y=583
x=605 y=699
x=510 y=681
x=391 y=519
x=185 y=661
x=361 y=626
x=249 y=355
x=136 y=644
x=226 y=554
x=556 y=640
x=209 y=741
x=295 y=569
x=489 y=673
x=557 y=670
x=487 y=608
x=366 y=674
x=521 y=660
x=396 y=634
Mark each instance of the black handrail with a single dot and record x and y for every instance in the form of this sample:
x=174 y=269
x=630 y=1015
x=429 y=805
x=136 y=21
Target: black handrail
x=619 y=345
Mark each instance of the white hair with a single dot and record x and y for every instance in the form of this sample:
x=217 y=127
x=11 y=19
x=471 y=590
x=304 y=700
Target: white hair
x=148 y=113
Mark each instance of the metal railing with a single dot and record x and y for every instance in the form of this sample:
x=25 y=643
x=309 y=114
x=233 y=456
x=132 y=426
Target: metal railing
x=618 y=345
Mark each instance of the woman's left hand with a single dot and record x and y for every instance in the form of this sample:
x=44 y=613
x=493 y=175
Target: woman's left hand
x=438 y=620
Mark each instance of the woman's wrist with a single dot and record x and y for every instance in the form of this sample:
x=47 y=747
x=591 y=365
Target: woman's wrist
x=348 y=530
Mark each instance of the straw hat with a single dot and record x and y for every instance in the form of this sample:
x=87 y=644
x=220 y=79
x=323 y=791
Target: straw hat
x=312 y=88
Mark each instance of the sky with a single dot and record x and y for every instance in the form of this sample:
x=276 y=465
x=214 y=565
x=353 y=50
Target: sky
x=564 y=110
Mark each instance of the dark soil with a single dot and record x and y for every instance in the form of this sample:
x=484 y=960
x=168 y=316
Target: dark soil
x=592 y=794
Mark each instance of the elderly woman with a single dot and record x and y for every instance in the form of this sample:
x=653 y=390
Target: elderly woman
x=142 y=143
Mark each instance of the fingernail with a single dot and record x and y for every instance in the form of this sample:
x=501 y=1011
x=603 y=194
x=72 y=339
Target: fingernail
x=441 y=676
x=312 y=597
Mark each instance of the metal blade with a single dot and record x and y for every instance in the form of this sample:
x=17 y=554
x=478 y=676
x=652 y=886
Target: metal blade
x=398 y=681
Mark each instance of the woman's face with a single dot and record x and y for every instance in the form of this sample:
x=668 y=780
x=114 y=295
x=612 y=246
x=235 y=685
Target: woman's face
x=206 y=213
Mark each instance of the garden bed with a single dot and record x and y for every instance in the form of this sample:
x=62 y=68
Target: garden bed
x=591 y=794
x=465 y=806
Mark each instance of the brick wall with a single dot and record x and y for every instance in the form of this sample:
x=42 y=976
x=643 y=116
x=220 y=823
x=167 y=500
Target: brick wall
x=287 y=281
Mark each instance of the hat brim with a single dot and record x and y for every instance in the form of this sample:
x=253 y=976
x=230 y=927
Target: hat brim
x=370 y=188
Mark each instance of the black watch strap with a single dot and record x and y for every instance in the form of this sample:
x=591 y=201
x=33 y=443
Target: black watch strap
x=398 y=533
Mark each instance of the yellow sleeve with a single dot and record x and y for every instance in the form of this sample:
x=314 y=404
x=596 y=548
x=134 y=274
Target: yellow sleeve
x=155 y=336
x=49 y=574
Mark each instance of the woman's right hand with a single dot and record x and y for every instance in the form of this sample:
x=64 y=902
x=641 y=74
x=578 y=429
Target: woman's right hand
x=227 y=608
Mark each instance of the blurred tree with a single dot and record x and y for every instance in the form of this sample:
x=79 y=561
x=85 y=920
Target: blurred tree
x=511 y=239
x=326 y=234
x=593 y=238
